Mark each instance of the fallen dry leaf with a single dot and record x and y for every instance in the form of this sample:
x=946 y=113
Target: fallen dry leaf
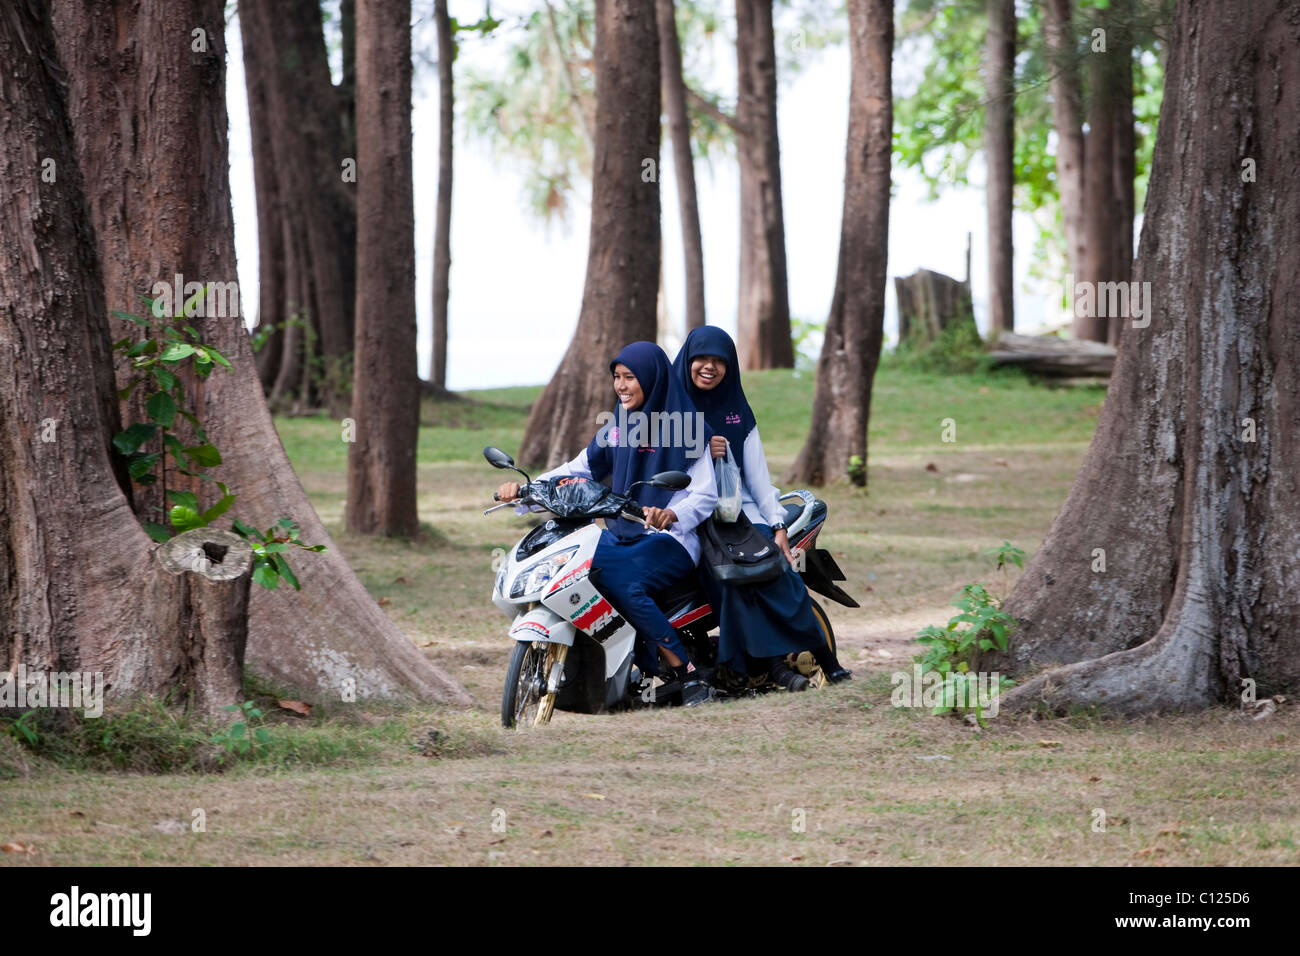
x=931 y=466
x=1093 y=779
x=1049 y=743
x=383 y=602
x=428 y=644
x=1171 y=830
x=297 y=706
x=400 y=580
x=27 y=848
x=1150 y=851
x=595 y=796
x=1002 y=461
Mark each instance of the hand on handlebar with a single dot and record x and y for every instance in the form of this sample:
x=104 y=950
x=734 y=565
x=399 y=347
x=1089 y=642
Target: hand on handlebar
x=659 y=518
x=507 y=492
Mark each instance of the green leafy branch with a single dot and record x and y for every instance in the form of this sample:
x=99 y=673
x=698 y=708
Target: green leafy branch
x=155 y=362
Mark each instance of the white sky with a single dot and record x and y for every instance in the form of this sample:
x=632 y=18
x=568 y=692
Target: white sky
x=516 y=284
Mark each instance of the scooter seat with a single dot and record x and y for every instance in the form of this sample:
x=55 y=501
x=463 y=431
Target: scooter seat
x=675 y=595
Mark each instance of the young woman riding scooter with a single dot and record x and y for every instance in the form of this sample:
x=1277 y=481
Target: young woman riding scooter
x=759 y=624
x=633 y=561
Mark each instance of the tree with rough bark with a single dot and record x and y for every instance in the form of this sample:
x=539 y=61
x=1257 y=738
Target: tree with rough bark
x=763 y=311
x=385 y=393
x=837 y=439
x=81 y=585
x=442 y=215
x=999 y=153
x=160 y=206
x=679 y=126
x=1168 y=580
x=620 y=291
x=306 y=206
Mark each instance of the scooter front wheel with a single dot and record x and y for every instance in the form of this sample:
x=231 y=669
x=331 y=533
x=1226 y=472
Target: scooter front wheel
x=522 y=696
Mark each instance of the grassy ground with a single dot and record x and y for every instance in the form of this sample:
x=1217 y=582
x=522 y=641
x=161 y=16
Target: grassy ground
x=836 y=776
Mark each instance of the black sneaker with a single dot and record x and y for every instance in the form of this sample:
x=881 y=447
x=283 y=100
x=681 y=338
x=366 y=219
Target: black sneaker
x=838 y=675
x=783 y=676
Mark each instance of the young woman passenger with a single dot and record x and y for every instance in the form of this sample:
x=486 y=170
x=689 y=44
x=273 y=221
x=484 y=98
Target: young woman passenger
x=760 y=624
x=633 y=561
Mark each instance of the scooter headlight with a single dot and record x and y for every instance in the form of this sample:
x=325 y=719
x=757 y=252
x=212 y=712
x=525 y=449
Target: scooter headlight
x=537 y=576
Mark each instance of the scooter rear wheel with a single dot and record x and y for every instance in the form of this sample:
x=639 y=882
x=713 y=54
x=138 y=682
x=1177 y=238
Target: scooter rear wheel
x=804 y=662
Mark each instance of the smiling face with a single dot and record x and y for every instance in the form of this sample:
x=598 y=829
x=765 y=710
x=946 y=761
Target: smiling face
x=707 y=371
x=627 y=388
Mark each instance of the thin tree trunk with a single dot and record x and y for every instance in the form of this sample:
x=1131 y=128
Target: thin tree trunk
x=442 y=222
x=837 y=439
x=385 y=394
x=688 y=206
x=1168 y=580
x=1101 y=213
x=347 y=89
x=999 y=150
x=618 y=298
x=161 y=205
x=1067 y=118
x=270 y=219
x=1123 y=164
x=306 y=130
x=763 y=319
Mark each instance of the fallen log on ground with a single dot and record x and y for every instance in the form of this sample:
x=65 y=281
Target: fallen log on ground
x=1050 y=356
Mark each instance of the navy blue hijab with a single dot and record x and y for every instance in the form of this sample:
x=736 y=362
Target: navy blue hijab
x=611 y=451
x=725 y=408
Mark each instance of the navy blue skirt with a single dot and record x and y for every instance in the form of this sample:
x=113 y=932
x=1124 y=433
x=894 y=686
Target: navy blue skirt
x=759 y=621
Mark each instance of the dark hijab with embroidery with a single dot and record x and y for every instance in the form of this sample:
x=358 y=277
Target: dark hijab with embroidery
x=623 y=451
x=725 y=408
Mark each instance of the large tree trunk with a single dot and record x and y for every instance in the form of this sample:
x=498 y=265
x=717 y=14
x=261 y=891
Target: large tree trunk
x=1169 y=577
x=385 y=394
x=301 y=181
x=618 y=298
x=149 y=116
x=763 y=316
x=80 y=590
x=688 y=206
x=999 y=151
x=1067 y=118
x=442 y=219
x=837 y=440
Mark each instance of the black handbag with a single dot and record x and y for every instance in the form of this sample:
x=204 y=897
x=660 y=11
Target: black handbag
x=738 y=553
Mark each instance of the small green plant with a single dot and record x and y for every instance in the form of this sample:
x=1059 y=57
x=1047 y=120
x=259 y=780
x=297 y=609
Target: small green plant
x=20 y=729
x=236 y=739
x=856 y=467
x=155 y=364
x=953 y=651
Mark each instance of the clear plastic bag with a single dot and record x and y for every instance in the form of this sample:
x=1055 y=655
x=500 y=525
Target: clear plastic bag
x=728 y=476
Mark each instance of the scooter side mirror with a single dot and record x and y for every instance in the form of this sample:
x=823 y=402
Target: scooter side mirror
x=497 y=458
x=676 y=480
